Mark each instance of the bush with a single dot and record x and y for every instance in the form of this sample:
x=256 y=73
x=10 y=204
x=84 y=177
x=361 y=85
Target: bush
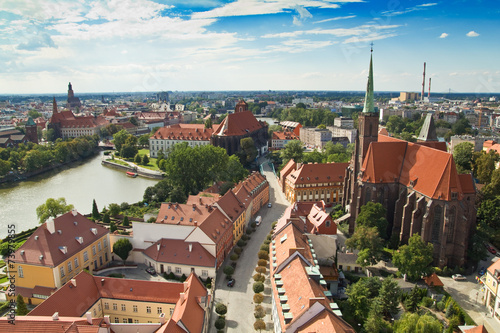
x=249 y=231
x=183 y=278
x=259 y=312
x=265 y=247
x=263 y=255
x=245 y=237
x=126 y=222
x=169 y=276
x=241 y=243
x=253 y=225
x=274 y=224
x=258 y=298
x=267 y=241
x=259 y=325
x=228 y=270
x=258 y=287
x=262 y=262
x=259 y=278
x=427 y=302
x=234 y=257
x=137 y=159
x=238 y=250
x=440 y=306
x=261 y=270
x=220 y=323
x=220 y=309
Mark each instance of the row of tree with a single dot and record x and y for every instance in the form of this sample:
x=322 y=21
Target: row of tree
x=30 y=157
x=306 y=117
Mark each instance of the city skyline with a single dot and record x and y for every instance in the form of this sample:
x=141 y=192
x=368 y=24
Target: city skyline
x=135 y=46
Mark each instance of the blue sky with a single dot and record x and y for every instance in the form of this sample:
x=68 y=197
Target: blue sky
x=146 y=45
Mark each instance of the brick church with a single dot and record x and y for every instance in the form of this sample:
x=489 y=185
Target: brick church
x=417 y=183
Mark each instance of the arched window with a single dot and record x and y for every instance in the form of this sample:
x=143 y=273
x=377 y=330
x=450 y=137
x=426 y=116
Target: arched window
x=368 y=194
x=451 y=224
x=436 y=223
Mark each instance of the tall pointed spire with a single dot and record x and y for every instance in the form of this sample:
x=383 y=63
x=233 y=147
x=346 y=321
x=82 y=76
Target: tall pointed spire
x=369 y=106
x=54 y=106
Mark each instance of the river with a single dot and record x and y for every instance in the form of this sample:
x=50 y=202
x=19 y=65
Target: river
x=78 y=184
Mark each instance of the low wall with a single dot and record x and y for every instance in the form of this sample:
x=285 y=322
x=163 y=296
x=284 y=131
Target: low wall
x=139 y=172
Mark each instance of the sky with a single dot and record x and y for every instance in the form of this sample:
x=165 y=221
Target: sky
x=210 y=45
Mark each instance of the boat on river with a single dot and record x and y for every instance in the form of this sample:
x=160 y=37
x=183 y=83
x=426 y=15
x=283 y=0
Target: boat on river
x=132 y=174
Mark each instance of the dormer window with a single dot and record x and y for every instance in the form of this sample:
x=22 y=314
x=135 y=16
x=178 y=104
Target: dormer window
x=94 y=230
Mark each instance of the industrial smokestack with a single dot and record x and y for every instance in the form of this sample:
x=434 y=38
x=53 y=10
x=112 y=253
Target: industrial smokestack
x=423 y=85
x=429 y=94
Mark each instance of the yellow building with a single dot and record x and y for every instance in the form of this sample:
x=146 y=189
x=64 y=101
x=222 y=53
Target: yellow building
x=234 y=210
x=56 y=252
x=491 y=298
x=313 y=182
x=122 y=300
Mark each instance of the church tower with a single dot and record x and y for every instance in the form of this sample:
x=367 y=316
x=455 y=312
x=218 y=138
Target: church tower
x=367 y=133
x=71 y=94
x=31 y=131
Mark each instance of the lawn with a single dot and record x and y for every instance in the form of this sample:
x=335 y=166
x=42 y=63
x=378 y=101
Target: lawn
x=151 y=165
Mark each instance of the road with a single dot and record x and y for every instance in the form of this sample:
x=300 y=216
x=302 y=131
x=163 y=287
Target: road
x=239 y=299
x=469 y=295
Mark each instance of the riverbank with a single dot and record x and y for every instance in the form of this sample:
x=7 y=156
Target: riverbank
x=143 y=172
x=16 y=177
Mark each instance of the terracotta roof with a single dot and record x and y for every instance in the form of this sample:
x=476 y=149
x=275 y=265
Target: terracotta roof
x=252 y=184
x=307 y=216
x=477 y=329
x=203 y=198
x=284 y=135
x=83 y=122
x=74 y=301
x=319 y=173
x=495 y=147
x=183 y=214
x=177 y=251
x=46 y=324
x=290 y=166
x=428 y=171
x=326 y=322
x=62 y=244
x=494 y=267
x=190 y=308
x=231 y=206
x=433 y=280
x=195 y=132
x=288 y=241
x=239 y=123
x=216 y=225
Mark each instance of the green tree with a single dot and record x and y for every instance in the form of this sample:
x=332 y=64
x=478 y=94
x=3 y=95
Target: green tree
x=373 y=215
x=415 y=258
x=414 y=323
x=234 y=171
x=208 y=123
x=95 y=211
x=258 y=287
x=143 y=140
x=220 y=309
x=112 y=227
x=292 y=150
x=4 y=167
x=122 y=247
x=228 y=270
x=259 y=325
x=361 y=295
x=126 y=222
x=462 y=154
x=105 y=219
x=260 y=312
x=220 y=323
x=145 y=159
x=119 y=139
x=138 y=159
x=248 y=150
x=389 y=296
x=114 y=209
x=369 y=244
x=52 y=208
x=128 y=150
x=484 y=165
x=22 y=309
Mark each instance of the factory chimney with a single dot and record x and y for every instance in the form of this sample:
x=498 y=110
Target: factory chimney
x=423 y=85
x=429 y=94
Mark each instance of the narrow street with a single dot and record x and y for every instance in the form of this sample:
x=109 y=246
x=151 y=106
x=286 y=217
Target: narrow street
x=239 y=299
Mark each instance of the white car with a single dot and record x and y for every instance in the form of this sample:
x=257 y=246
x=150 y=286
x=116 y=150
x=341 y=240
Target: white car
x=458 y=277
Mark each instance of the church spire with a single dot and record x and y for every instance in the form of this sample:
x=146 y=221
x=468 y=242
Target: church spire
x=369 y=106
x=54 y=106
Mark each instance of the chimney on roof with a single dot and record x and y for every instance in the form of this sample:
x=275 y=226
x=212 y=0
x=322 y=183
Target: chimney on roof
x=195 y=223
x=73 y=282
x=162 y=318
x=50 y=225
x=55 y=316
x=74 y=212
x=190 y=247
x=89 y=317
x=102 y=282
x=106 y=320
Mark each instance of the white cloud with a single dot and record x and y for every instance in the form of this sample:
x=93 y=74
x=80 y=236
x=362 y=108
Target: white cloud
x=472 y=33
x=444 y=35
x=336 y=19
x=402 y=11
x=303 y=14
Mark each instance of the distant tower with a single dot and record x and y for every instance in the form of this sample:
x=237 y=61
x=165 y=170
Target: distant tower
x=31 y=131
x=429 y=93
x=71 y=94
x=242 y=106
x=54 y=106
x=73 y=102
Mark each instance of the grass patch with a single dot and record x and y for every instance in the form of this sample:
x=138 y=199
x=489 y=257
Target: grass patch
x=118 y=161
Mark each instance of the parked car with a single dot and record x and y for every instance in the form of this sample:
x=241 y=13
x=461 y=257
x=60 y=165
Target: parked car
x=151 y=270
x=269 y=205
x=482 y=271
x=258 y=220
x=491 y=249
x=458 y=277
x=230 y=283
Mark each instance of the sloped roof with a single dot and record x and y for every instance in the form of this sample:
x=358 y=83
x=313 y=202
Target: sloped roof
x=319 y=173
x=289 y=240
x=284 y=135
x=203 y=198
x=74 y=301
x=42 y=242
x=230 y=205
x=428 y=171
x=428 y=131
x=239 y=123
x=326 y=322
x=193 y=132
x=433 y=280
x=183 y=214
x=46 y=324
x=176 y=251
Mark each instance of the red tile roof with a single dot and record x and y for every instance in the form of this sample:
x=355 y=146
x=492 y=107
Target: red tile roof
x=183 y=214
x=46 y=324
x=187 y=132
x=326 y=322
x=203 y=198
x=428 y=171
x=477 y=329
x=231 y=206
x=74 y=301
x=433 y=280
x=177 y=251
x=284 y=135
x=239 y=123
x=68 y=227
x=319 y=173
